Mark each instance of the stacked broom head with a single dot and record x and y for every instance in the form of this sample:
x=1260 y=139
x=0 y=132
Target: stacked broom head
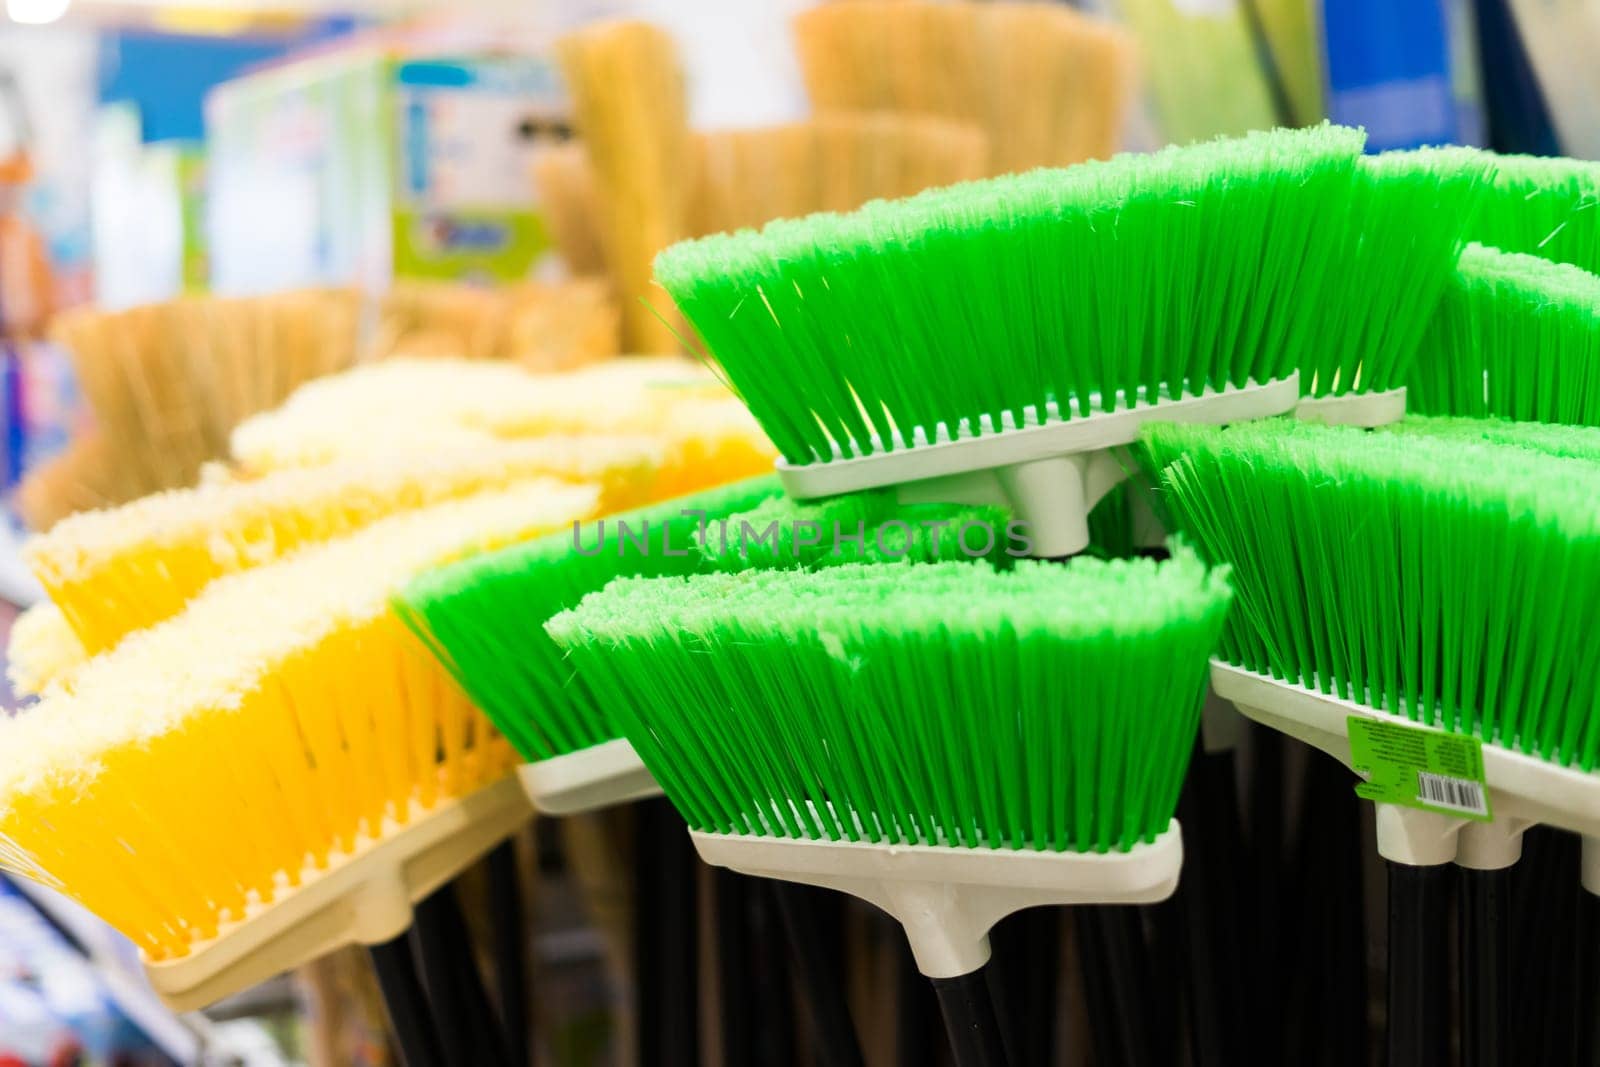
x=166 y=384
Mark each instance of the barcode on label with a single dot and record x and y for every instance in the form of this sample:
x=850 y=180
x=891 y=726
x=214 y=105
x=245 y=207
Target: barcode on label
x=1442 y=791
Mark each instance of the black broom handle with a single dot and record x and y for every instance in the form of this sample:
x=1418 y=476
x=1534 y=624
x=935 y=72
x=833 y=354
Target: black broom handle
x=1419 y=1019
x=468 y=1030
x=510 y=949
x=405 y=1003
x=821 y=993
x=1485 y=955
x=969 y=1018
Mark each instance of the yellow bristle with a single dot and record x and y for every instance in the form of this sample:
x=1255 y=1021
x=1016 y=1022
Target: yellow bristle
x=413 y=404
x=541 y=325
x=216 y=759
x=114 y=571
x=631 y=110
x=43 y=650
x=1049 y=86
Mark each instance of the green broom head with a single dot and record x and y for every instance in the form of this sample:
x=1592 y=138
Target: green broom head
x=1408 y=220
x=1548 y=207
x=1030 y=297
x=1445 y=580
x=483 y=617
x=1571 y=442
x=1042 y=707
x=866 y=527
x=1514 y=336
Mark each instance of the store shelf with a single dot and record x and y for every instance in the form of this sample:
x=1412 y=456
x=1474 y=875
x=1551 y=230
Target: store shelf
x=190 y=1039
x=17 y=585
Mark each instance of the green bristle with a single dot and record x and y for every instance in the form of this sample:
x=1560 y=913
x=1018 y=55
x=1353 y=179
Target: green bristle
x=1570 y=442
x=1545 y=207
x=1045 y=707
x=1442 y=579
x=869 y=527
x=1094 y=287
x=1406 y=227
x=483 y=617
x=1514 y=336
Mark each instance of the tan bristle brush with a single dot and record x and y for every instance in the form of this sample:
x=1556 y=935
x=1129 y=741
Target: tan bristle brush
x=564 y=185
x=975 y=62
x=167 y=382
x=541 y=325
x=831 y=163
x=631 y=111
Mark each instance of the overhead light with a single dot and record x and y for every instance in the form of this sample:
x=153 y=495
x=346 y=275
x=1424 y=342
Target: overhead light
x=36 y=12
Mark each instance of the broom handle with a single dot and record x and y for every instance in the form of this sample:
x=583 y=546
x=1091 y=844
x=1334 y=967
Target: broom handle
x=405 y=1003
x=510 y=949
x=735 y=984
x=467 y=1025
x=1588 y=979
x=969 y=1018
x=1485 y=953
x=821 y=994
x=1419 y=1023
x=665 y=934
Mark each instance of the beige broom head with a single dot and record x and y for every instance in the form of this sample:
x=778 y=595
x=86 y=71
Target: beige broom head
x=629 y=103
x=564 y=185
x=1049 y=85
x=835 y=162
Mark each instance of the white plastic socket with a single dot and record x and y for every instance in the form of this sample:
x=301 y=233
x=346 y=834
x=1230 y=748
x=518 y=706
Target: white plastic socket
x=1049 y=473
x=1354 y=409
x=588 y=779
x=364 y=897
x=946 y=898
x=1523 y=791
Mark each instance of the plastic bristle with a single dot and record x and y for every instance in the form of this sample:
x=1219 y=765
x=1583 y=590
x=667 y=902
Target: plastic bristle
x=978 y=304
x=114 y=571
x=1439 y=578
x=43 y=650
x=216 y=759
x=482 y=616
x=1408 y=220
x=1054 y=711
x=1515 y=336
x=869 y=527
x=1570 y=442
x=1548 y=207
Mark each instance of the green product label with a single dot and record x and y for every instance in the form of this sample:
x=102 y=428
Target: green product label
x=1419 y=768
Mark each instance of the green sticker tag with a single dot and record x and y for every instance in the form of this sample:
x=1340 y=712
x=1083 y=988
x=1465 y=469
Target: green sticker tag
x=1419 y=768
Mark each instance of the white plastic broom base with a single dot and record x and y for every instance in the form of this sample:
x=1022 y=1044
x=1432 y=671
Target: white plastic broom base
x=589 y=779
x=1354 y=409
x=1523 y=791
x=947 y=898
x=363 y=898
x=1048 y=474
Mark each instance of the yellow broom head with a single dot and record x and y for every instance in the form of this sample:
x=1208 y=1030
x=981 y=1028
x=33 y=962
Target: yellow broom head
x=113 y=571
x=42 y=651
x=570 y=206
x=630 y=107
x=418 y=405
x=210 y=764
x=1048 y=85
x=834 y=162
